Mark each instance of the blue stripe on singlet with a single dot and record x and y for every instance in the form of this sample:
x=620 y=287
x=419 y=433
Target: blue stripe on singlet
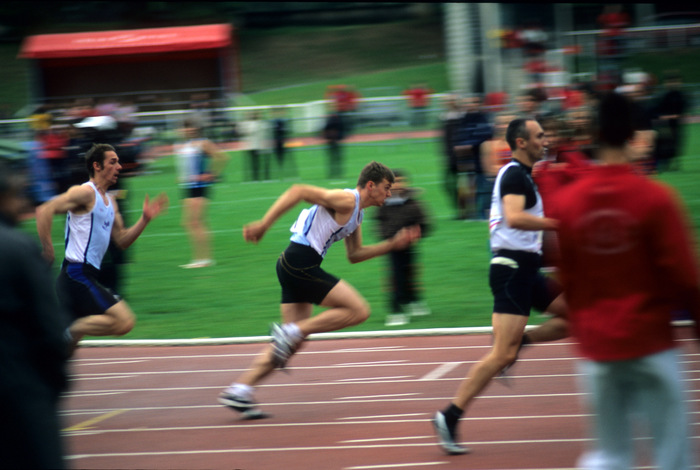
x=87 y=245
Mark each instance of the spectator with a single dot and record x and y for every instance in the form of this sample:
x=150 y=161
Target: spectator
x=450 y=121
x=670 y=110
x=33 y=350
x=334 y=132
x=280 y=130
x=403 y=209
x=627 y=263
x=53 y=143
x=418 y=99
x=256 y=136
x=474 y=128
x=494 y=153
x=200 y=165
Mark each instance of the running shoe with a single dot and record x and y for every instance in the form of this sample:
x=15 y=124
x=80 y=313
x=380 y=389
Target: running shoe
x=447 y=436
x=247 y=408
x=236 y=402
x=284 y=345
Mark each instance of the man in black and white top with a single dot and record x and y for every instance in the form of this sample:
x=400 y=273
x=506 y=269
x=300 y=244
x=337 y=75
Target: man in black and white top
x=515 y=225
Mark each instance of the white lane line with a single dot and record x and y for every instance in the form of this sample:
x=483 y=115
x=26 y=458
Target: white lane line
x=391 y=395
x=263 y=450
x=440 y=371
x=220 y=427
x=367 y=349
x=362 y=379
x=109 y=363
x=93 y=394
x=404 y=415
x=396 y=465
x=386 y=439
x=79 y=361
x=372 y=363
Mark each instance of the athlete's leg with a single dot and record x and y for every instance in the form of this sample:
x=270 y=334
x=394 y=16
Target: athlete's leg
x=507 y=334
x=263 y=364
x=346 y=308
x=118 y=320
x=556 y=327
x=194 y=211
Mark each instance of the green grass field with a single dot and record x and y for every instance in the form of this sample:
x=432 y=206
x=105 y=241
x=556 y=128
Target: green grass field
x=240 y=295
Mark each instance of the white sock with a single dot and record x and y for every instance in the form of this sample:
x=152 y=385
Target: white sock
x=292 y=330
x=241 y=390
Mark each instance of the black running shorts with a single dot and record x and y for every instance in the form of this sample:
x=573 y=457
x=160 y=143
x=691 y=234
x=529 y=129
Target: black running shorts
x=301 y=277
x=80 y=291
x=518 y=285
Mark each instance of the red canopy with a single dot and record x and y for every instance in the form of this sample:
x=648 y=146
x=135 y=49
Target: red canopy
x=136 y=41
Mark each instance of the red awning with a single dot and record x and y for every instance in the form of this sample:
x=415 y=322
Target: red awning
x=136 y=41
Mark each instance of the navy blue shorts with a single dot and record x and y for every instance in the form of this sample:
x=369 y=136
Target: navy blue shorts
x=195 y=192
x=301 y=277
x=80 y=291
x=518 y=285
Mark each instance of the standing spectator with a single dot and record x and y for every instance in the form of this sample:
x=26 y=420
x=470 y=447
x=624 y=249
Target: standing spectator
x=256 y=136
x=627 y=264
x=670 y=111
x=40 y=120
x=418 y=99
x=280 y=132
x=516 y=224
x=613 y=21
x=200 y=164
x=450 y=121
x=33 y=350
x=474 y=128
x=530 y=103
x=334 y=132
x=54 y=143
x=494 y=153
x=403 y=209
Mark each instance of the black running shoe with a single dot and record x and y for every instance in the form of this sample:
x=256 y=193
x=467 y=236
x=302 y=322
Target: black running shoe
x=236 y=402
x=447 y=436
x=247 y=408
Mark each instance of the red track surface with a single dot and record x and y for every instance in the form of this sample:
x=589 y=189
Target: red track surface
x=345 y=404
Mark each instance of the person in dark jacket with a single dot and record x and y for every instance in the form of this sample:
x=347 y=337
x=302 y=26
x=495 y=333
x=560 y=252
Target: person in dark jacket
x=33 y=350
x=403 y=209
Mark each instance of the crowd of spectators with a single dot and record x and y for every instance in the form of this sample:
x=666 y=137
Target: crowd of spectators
x=473 y=147
x=61 y=134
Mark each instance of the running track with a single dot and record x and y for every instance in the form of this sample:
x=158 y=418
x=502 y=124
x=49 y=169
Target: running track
x=345 y=404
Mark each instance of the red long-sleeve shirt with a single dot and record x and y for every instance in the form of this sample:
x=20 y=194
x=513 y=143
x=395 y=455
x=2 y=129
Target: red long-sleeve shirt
x=628 y=262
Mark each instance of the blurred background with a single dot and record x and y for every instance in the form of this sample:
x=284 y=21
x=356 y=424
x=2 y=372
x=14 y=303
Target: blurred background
x=142 y=66
x=410 y=82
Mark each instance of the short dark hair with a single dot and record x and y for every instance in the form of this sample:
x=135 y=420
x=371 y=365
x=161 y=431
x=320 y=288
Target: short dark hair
x=96 y=154
x=615 y=120
x=517 y=129
x=376 y=172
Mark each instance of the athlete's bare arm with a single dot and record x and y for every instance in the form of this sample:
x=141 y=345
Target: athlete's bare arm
x=340 y=202
x=77 y=199
x=516 y=217
x=123 y=237
x=357 y=252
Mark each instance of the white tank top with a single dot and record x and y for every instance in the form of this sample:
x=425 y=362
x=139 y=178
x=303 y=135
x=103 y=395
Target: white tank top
x=191 y=162
x=502 y=236
x=88 y=235
x=315 y=227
